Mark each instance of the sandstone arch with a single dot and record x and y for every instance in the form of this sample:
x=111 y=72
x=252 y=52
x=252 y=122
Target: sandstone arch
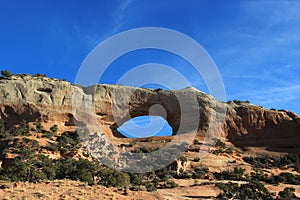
x=145 y=126
x=181 y=109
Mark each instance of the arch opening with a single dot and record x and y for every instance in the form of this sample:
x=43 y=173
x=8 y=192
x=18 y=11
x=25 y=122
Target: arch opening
x=145 y=126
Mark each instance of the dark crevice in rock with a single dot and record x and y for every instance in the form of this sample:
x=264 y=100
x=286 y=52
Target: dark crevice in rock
x=48 y=90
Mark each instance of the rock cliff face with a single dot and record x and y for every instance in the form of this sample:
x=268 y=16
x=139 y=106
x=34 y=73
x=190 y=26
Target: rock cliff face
x=253 y=125
x=59 y=102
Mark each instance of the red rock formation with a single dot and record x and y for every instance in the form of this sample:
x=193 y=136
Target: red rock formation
x=58 y=102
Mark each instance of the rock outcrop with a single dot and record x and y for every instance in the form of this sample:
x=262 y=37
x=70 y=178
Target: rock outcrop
x=256 y=126
x=59 y=102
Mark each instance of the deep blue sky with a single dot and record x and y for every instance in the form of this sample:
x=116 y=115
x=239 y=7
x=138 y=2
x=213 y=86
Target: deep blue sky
x=255 y=44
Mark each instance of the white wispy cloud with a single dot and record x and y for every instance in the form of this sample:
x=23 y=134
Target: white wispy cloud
x=261 y=63
x=117 y=20
x=277 y=97
x=120 y=15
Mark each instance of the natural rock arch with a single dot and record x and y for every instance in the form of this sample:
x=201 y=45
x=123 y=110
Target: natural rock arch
x=145 y=126
x=181 y=109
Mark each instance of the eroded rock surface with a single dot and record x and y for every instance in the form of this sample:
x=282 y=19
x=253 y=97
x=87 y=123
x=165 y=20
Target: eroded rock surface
x=59 y=102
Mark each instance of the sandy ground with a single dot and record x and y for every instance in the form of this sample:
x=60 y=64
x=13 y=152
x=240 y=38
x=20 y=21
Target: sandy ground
x=75 y=190
x=69 y=190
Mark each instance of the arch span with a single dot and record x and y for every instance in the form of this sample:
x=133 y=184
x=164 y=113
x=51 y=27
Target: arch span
x=145 y=126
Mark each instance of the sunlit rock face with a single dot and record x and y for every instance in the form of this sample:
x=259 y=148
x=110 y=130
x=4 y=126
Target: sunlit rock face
x=109 y=106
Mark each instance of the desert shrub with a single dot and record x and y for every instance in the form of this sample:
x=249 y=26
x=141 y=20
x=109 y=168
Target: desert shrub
x=112 y=178
x=54 y=129
x=135 y=179
x=81 y=169
x=182 y=159
x=48 y=166
x=47 y=134
x=220 y=147
x=219 y=143
x=258 y=175
x=40 y=75
x=291 y=160
x=24 y=170
x=239 y=101
x=289 y=178
x=68 y=142
x=19 y=145
x=165 y=173
x=22 y=129
x=150 y=186
x=29 y=167
x=288 y=192
x=196 y=159
x=196 y=142
x=236 y=174
x=52 y=147
x=38 y=126
x=184 y=175
x=284 y=177
x=40 y=129
x=2 y=128
x=158 y=89
x=144 y=150
x=149 y=181
x=6 y=73
x=199 y=172
x=258 y=162
x=251 y=190
x=171 y=184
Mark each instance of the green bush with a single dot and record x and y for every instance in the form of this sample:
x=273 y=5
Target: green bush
x=47 y=134
x=287 y=193
x=6 y=73
x=82 y=170
x=182 y=159
x=144 y=150
x=150 y=187
x=200 y=172
x=289 y=178
x=68 y=142
x=236 y=174
x=40 y=75
x=2 y=128
x=54 y=129
x=52 y=147
x=171 y=184
x=29 y=167
x=22 y=130
x=219 y=143
x=291 y=160
x=112 y=178
x=251 y=190
x=196 y=142
x=135 y=179
x=196 y=159
x=20 y=144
